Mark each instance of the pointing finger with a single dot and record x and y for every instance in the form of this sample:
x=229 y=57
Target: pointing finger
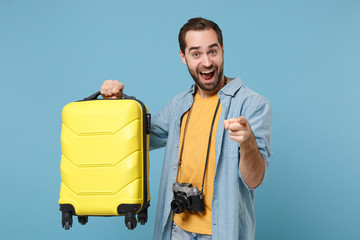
x=226 y=124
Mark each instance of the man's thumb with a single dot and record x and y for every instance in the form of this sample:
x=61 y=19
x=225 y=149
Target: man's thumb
x=242 y=120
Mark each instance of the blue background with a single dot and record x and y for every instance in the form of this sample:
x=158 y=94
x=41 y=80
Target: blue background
x=304 y=56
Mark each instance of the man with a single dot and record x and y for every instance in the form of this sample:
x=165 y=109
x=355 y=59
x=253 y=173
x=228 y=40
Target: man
x=217 y=137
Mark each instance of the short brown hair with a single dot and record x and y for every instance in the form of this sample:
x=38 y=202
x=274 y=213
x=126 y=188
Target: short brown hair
x=198 y=24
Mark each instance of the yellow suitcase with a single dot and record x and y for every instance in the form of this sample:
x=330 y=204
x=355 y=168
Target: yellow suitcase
x=105 y=160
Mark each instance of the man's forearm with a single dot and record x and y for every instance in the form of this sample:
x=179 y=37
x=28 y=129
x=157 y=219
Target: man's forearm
x=252 y=164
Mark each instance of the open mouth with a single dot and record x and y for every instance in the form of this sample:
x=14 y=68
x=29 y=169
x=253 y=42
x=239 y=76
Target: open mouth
x=208 y=74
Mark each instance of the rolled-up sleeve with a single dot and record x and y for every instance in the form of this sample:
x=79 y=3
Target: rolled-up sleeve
x=160 y=127
x=259 y=116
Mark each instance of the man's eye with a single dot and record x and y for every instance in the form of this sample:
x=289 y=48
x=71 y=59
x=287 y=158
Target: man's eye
x=196 y=54
x=212 y=52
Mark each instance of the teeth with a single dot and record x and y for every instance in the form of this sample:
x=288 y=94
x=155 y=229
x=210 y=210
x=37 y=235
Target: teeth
x=210 y=71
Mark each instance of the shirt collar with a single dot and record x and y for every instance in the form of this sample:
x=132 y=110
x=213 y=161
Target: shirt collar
x=232 y=87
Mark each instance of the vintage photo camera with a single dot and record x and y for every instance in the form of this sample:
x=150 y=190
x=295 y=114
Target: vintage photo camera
x=187 y=196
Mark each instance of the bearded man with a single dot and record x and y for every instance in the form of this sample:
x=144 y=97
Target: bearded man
x=217 y=139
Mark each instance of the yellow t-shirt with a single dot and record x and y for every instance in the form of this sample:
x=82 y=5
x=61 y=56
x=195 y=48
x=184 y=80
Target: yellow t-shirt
x=194 y=153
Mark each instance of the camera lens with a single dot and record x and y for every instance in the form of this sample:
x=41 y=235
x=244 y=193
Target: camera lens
x=178 y=205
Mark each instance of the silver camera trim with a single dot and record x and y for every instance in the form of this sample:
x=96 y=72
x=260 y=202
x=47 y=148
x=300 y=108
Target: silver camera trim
x=187 y=188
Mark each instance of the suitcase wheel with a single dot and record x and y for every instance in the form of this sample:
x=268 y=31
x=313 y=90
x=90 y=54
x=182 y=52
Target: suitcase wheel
x=142 y=217
x=67 y=220
x=67 y=225
x=83 y=219
x=130 y=220
x=142 y=221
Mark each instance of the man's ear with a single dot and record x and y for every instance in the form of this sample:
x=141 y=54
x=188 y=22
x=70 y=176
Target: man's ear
x=182 y=55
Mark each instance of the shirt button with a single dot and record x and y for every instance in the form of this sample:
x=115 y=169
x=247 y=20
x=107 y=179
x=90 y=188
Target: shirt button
x=166 y=212
x=176 y=145
x=174 y=168
x=178 y=123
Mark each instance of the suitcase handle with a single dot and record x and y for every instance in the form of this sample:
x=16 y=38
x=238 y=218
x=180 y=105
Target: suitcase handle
x=97 y=94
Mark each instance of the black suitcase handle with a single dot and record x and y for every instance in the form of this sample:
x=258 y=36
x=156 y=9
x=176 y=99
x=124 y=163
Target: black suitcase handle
x=97 y=94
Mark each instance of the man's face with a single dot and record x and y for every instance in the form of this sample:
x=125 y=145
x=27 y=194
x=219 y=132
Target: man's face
x=204 y=59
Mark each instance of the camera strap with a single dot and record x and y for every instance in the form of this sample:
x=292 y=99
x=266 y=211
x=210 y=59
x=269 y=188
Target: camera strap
x=208 y=148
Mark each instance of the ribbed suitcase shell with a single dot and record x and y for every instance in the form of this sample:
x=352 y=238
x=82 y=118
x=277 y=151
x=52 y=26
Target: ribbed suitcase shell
x=105 y=159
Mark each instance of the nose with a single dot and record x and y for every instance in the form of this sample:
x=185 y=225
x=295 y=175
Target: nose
x=206 y=61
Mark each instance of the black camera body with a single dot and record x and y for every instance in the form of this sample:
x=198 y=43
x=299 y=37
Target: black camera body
x=187 y=196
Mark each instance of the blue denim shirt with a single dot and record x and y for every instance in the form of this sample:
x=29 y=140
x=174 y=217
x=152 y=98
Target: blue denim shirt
x=232 y=213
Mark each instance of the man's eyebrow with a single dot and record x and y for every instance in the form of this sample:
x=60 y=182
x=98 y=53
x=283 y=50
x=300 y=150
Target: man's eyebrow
x=214 y=45
x=210 y=46
x=194 y=48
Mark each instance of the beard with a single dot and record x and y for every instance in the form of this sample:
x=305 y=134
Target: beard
x=210 y=86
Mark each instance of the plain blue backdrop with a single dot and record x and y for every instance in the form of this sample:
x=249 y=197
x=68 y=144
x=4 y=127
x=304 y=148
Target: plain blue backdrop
x=303 y=55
